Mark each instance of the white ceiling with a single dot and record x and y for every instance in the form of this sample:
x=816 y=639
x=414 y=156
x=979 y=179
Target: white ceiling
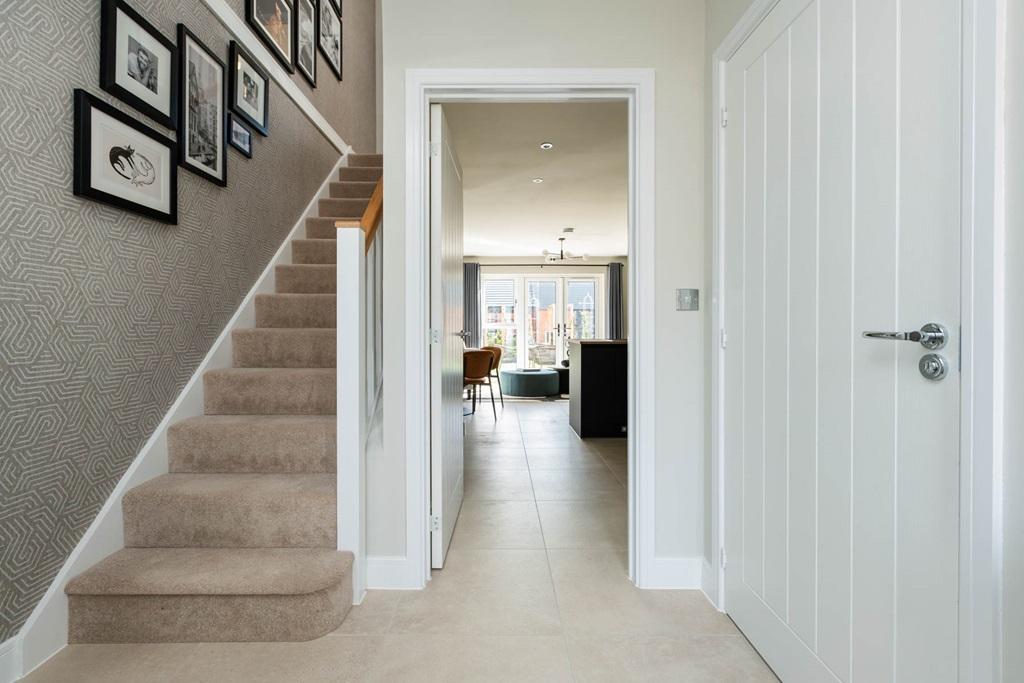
x=585 y=176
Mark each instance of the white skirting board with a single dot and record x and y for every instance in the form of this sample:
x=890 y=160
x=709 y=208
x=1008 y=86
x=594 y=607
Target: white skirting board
x=10 y=660
x=674 y=573
x=46 y=631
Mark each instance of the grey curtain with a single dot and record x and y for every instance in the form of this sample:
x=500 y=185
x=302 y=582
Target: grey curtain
x=614 y=299
x=471 y=302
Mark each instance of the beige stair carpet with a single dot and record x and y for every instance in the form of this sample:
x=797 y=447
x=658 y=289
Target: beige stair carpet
x=238 y=541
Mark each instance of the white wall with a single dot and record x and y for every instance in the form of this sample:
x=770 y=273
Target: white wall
x=666 y=35
x=1013 y=568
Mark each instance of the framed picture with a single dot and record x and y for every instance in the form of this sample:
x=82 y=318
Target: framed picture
x=138 y=65
x=202 y=124
x=122 y=162
x=248 y=89
x=305 y=39
x=330 y=36
x=240 y=136
x=273 y=21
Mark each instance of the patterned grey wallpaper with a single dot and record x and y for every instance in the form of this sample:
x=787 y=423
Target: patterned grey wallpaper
x=104 y=315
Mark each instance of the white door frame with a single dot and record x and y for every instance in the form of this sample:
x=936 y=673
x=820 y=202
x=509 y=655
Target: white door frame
x=636 y=86
x=982 y=348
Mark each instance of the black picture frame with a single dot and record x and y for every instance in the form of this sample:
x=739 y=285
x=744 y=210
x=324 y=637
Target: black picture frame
x=184 y=129
x=263 y=32
x=108 y=63
x=232 y=123
x=327 y=6
x=84 y=185
x=315 y=11
x=337 y=6
x=237 y=53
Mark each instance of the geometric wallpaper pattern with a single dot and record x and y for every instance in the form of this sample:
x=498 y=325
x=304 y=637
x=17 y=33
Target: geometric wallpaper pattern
x=104 y=315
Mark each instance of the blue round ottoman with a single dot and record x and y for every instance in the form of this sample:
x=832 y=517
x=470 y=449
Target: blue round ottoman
x=527 y=384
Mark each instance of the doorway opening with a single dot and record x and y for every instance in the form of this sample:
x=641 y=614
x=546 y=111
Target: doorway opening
x=533 y=198
x=634 y=89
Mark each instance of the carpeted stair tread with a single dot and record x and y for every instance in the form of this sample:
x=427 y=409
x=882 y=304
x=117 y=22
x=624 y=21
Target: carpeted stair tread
x=326 y=228
x=270 y=391
x=342 y=207
x=374 y=160
x=296 y=310
x=360 y=174
x=239 y=444
x=352 y=189
x=305 y=279
x=315 y=251
x=267 y=347
x=213 y=571
x=232 y=511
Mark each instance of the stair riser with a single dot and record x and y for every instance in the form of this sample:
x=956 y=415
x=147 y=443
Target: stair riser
x=267 y=348
x=305 y=279
x=228 y=394
x=321 y=228
x=299 y=518
x=208 y=618
x=322 y=251
x=342 y=208
x=360 y=175
x=363 y=160
x=352 y=190
x=296 y=310
x=270 y=447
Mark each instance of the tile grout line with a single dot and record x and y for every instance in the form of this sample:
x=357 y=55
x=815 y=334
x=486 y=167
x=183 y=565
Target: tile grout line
x=547 y=557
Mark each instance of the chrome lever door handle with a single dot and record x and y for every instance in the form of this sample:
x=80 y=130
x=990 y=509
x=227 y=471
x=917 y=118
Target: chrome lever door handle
x=931 y=336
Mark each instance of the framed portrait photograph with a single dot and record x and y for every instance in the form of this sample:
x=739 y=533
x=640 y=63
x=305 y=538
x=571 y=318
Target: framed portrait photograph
x=305 y=38
x=248 y=89
x=274 y=22
x=202 y=123
x=121 y=162
x=330 y=36
x=240 y=136
x=138 y=64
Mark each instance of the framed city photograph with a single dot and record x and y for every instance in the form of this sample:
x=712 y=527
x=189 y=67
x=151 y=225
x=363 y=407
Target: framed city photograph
x=305 y=38
x=273 y=21
x=138 y=64
x=330 y=36
x=240 y=136
x=248 y=89
x=202 y=123
x=121 y=162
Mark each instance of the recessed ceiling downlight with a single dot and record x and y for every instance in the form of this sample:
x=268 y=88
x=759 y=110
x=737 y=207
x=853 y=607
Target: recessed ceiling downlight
x=538 y=181
x=547 y=145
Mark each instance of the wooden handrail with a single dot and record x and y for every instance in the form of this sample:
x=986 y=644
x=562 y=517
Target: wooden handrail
x=371 y=219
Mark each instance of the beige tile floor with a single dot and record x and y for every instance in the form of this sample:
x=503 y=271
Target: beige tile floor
x=535 y=589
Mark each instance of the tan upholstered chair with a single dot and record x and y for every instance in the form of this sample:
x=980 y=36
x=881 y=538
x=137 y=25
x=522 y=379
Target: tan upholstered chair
x=476 y=372
x=496 y=370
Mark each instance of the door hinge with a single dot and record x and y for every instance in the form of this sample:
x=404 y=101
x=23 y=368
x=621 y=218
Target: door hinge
x=725 y=117
x=435 y=523
x=723 y=338
x=435 y=336
x=434 y=148
x=722 y=560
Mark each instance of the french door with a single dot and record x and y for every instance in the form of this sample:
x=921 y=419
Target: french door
x=541 y=312
x=841 y=237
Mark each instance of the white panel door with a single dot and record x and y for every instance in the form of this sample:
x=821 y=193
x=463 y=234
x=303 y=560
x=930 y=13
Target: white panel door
x=841 y=215
x=446 y=290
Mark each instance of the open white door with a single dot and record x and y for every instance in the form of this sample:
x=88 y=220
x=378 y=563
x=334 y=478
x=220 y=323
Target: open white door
x=446 y=346
x=841 y=216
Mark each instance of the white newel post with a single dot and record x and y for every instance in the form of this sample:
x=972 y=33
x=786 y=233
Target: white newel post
x=351 y=373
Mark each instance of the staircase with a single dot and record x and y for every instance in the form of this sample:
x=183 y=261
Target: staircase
x=238 y=542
